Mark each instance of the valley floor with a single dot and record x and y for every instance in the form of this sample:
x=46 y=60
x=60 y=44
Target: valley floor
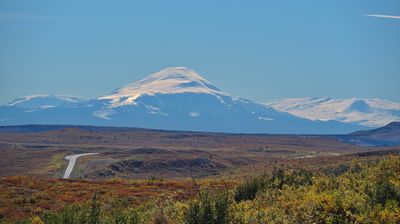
x=162 y=175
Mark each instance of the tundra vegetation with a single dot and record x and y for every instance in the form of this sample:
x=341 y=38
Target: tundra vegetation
x=357 y=192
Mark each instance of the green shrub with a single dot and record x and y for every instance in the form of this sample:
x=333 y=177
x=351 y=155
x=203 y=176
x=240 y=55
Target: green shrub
x=209 y=209
x=94 y=217
x=92 y=213
x=248 y=190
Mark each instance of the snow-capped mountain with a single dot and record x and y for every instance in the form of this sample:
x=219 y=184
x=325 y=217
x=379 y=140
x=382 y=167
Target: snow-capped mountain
x=45 y=101
x=168 y=81
x=175 y=98
x=365 y=112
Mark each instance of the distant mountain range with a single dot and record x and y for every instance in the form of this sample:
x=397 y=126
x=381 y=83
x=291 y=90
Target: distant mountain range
x=178 y=98
x=365 y=112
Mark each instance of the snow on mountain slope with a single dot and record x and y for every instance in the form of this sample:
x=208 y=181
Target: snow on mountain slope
x=171 y=80
x=153 y=94
x=179 y=98
x=366 y=112
x=175 y=98
x=40 y=101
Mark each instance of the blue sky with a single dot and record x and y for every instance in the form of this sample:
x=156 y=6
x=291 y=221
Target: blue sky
x=259 y=50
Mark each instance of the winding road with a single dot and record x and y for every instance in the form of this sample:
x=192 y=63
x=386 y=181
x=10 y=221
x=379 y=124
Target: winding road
x=72 y=159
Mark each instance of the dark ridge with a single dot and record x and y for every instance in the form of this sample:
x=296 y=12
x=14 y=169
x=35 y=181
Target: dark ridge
x=42 y=128
x=388 y=135
x=393 y=126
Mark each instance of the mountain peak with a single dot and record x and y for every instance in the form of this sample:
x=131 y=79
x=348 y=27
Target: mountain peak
x=170 y=73
x=359 y=105
x=171 y=80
